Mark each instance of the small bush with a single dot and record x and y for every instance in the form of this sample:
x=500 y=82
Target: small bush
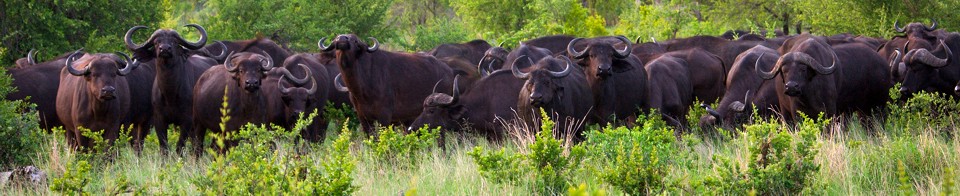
x=405 y=149
x=18 y=126
x=923 y=111
x=779 y=162
x=74 y=180
x=634 y=160
x=546 y=164
x=341 y=114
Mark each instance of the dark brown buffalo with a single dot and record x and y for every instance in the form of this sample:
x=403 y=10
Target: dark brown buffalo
x=707 y=73
x=563 y=94
x=386 y=87
x=301 y=93
x=239 y=80
x=554 y=43
x=29 y=60
x=928 y=60
x=616 y=78
x=489 y=103
x=746 y=90
x=328 y=60
x=647 y=51
x=669 y=90
x=892 y=51
x=257 y=45
x=176 y=73
x=471 y=51
x=815 y=78
x=727 y=50
x=39 y=82
x=93 y=94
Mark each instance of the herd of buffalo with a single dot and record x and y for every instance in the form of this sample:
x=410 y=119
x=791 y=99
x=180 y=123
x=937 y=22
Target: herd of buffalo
x=476 y=87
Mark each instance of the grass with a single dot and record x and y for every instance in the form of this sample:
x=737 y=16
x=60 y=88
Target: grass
x=855 y=161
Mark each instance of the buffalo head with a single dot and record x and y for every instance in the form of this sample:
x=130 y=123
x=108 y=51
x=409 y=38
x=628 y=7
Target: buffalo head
x=921 y=66
x=441 y=110
x=101 y=71
x=248 y=69
x=164 y=43
x=296 y=98
x=915 y=28
x=799 y=66
x=349 y=44
x=599 y=55
x=492 y=60
x=544 y=84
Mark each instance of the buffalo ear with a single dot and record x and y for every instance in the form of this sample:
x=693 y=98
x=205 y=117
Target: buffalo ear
x=457 y=111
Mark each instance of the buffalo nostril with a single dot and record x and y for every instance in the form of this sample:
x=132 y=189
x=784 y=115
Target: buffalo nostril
x=108 y=89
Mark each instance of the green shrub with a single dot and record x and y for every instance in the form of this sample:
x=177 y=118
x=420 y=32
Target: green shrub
x=923 y=111
x=18 y=126
x=634 y=160
x=438 y=31
x=779 y=162
x=74 y=180
x=392 y=145
x=546 y=164
x=341 y=114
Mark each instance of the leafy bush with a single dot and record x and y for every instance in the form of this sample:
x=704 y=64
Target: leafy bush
x=780 y=162
x=263 y=164
x=392 y=145
x=342 y=114
x=923 y=111
x=439 y=31
x=547 y=165
x=634 y=160
x=74 y=180
x=18 y=126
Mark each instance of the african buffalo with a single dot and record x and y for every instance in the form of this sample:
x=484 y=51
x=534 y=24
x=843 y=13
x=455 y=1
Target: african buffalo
x=815 y=78
x=93 y=94
x=492 y=100
x=239 y=80
x=928 y=60
x=176 y=73
x=472 y=51
x=492 y=60
x=386 y=87
x=669 y=90
x=615 y=76
x=39 y=81
x=293 y=95
x=647 y=51
x=554 y=43
x=564 y=95
x=746 y=90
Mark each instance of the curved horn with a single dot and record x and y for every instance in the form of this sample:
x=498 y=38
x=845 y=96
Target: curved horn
x=896 y=26
x=926 y=57
x=896 y=59
x=376 y=45
x=773 y=73
x=626 y=50
x=71 y=69
x=573 y=52
x=638 y=39
x=932 y=26
x=223 y=51
x=294 y=79
x=813 y=63
x=338 y=85
x=323 y=47
x=710 y=111
x=129 y=65
x=313 y=86
x=565 y=72
x=269 y=65
x=228 y=62
x=31 y=57
x=516 y=71
x=283 y=89
x=738 y=106
x=500 y=45
x=128 y=38
x=456 y=92
x=194 y=45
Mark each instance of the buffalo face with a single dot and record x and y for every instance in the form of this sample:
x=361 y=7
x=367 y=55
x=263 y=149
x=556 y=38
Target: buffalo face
x=248 y=69
x=922 y=66
x=298 y=97
x=543 y=83
x=441 y=110
x=492 y=60
x=164 y=43
x=101 y=72
x=349 y=44
x=598 y=56
x=799 y=67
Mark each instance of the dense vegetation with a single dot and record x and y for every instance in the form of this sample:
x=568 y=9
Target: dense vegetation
x=915 y=151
